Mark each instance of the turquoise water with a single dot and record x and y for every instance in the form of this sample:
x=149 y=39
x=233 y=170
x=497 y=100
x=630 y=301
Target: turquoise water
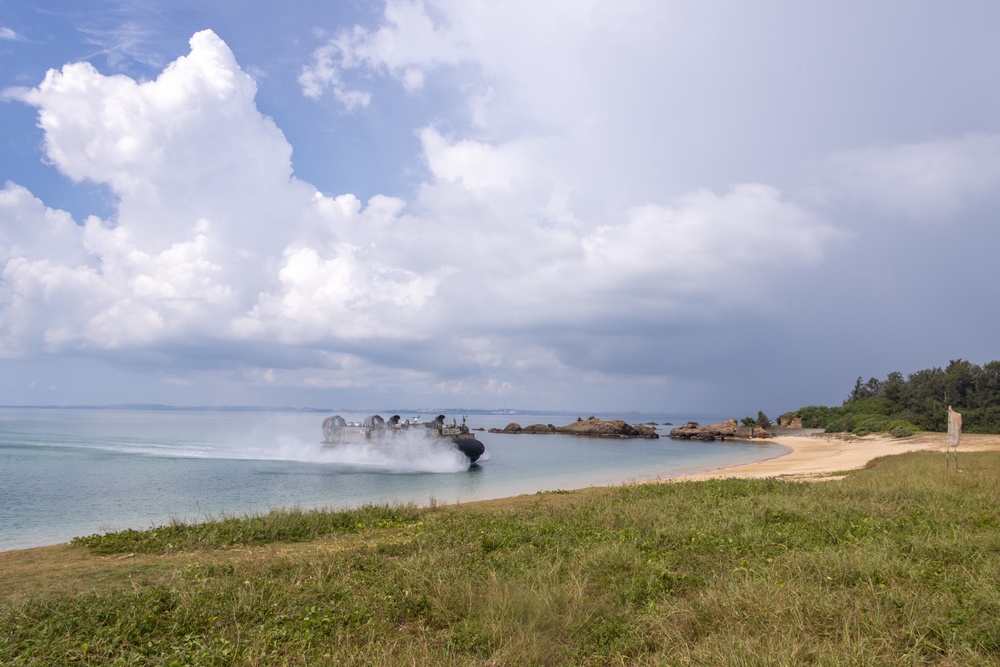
x=69 y=472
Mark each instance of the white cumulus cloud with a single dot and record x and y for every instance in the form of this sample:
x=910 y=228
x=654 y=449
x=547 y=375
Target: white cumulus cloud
x=211 y=229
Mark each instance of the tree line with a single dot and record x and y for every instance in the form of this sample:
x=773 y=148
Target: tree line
x=917 y=402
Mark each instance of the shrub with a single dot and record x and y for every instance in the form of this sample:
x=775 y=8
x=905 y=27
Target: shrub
x=901 y=432
x=870 y=406
x=870 y=424
x=836 y=425
x=813 y=416
x=905 y=424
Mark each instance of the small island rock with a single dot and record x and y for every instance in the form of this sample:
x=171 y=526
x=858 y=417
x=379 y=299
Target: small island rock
x=695 y=431
x=512 y=427
x=720 y=431
x=598 y=428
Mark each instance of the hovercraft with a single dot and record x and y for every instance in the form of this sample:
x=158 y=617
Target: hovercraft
x=376 y=430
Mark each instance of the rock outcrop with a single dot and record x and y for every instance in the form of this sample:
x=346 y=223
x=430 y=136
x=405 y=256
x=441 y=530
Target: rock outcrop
x=695 y=431
x=610 y=428
x=727 y=429
x=539 y=428
x=597 y=428
x=512 y=427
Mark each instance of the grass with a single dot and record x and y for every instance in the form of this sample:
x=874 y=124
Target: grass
x=895 y=564
x=294 y=525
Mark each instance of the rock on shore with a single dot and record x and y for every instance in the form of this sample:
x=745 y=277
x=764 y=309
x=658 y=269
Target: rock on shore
x=599 y=428
x=721 y=431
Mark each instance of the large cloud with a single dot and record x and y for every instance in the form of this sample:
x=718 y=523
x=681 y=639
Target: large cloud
x=509 y=245
x=209 y=221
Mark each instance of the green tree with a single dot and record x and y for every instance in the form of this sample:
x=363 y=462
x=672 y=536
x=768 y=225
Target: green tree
x=921 y=400
x=894 y=387
x=858 y=392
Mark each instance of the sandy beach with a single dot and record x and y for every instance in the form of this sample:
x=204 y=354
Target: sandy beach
x=817 y=457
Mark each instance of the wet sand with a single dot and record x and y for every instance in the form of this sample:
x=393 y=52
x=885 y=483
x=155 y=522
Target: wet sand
x=818 y=457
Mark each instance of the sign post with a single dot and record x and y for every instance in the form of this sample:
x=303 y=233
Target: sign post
x=954 y=435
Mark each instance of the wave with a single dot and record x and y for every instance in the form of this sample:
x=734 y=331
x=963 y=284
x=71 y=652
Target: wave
x=405 y=455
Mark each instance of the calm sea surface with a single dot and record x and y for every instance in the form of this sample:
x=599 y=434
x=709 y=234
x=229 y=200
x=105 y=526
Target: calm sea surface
x=70 y=472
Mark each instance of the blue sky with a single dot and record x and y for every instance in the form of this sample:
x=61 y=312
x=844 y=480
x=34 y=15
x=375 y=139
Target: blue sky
x=661 y=206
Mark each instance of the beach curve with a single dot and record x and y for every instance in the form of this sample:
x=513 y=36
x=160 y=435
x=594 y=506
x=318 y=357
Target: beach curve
x=819 y=457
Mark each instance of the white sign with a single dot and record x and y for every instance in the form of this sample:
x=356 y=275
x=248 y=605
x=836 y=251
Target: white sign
x=954 y=427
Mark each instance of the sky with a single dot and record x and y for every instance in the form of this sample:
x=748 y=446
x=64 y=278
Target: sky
x=659 y=206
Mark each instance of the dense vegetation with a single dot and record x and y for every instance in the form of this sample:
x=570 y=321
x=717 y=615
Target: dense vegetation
x=918 y=402
x=895 y=564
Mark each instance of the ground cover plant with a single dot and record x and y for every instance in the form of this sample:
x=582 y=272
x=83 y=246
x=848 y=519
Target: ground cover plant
x=898 y=563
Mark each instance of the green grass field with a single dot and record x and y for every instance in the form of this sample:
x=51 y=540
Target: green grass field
x=896 y=564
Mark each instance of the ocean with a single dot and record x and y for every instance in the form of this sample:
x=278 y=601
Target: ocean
x=67 y=472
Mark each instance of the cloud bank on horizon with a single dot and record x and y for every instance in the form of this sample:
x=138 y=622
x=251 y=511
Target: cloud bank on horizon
x=643 y=205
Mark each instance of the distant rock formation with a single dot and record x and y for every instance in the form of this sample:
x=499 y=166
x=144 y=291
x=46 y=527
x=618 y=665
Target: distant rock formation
x=539 y=428
x=512 y=427
x=608 y=429
x=598 y=428
x=721 y=431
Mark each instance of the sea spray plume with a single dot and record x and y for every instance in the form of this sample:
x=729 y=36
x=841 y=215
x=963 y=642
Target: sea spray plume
x=279 y=438
x=405 y=453
x=408 y=451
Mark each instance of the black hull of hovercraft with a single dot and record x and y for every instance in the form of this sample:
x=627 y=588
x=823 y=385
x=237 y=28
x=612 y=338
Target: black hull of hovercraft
x=471 y=447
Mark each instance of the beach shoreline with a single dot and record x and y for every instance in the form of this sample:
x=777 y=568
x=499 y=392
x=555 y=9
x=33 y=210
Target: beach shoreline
x=822 y=456
x=819 y=457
